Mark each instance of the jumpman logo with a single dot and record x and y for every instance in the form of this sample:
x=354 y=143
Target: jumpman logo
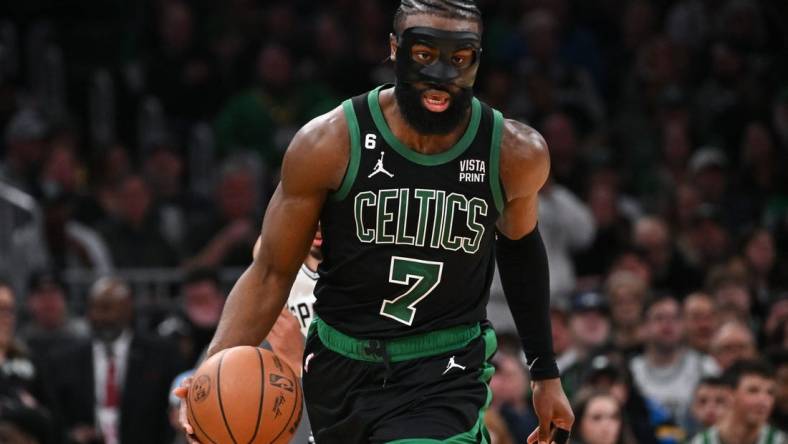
x=452 y=365
x=379 y=167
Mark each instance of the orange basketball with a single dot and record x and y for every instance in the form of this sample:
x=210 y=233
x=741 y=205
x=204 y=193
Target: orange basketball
x=244 y=395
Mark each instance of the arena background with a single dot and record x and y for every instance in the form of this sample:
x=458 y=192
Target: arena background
x=142 y=139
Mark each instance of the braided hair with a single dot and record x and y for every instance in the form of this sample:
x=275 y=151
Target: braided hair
x=456 y=9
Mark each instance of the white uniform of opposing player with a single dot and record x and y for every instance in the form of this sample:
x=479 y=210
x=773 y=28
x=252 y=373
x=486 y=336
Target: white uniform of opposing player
x=302 y=297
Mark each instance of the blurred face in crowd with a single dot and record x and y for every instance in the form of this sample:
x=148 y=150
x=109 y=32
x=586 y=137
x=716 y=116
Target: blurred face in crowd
x=665 y=326
x=110 y=309
x=710 y=403
x=700 y=319
x=653 y=237
x=559 y=132
x=601 y=421
x=626 y=293
x=7 y=316
x=133 y=200
x=760 y=252
x=60 y=169
x=203 y=303
x=275 y=68
x=590 y=328
x=753 y=400
x=602 y=200
x=778 y=314
x=633 y=263
x=237 y=195
x=509 y=384
x=541 y=31
x=176 y=26
x=734 y=298
x=733 y=341
x=164 y=169
x=47 y=305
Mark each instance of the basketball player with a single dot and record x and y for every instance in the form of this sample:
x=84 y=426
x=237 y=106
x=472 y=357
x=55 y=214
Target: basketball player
x=398 y=351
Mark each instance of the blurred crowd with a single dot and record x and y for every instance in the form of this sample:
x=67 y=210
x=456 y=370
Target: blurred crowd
x=141 y=141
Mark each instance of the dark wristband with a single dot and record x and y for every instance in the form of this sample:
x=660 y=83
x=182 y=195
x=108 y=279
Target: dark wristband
x=522 y=265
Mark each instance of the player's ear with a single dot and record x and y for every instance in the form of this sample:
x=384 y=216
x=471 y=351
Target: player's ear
x=393 y=46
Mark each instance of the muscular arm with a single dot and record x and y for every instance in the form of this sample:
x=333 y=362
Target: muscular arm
x=313 y=166
x=522 y=261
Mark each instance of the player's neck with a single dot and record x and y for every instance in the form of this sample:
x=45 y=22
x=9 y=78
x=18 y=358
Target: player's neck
x=422 y=143
x=733 y=430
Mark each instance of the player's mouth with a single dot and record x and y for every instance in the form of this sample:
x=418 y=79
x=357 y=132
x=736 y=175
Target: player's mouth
x=436 y=100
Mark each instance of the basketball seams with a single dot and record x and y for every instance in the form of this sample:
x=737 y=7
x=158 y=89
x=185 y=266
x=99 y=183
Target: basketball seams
x=190 y=412
x=297 y=395
x=262 y=393
x=219 y=395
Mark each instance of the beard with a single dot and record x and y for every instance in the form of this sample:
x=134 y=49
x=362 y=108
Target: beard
x=425 y=121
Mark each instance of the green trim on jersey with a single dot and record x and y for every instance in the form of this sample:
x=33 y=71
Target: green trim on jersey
x=355 y=151
x=399 y=349
x=415 y=156
x=478 y=431
x=495 y=160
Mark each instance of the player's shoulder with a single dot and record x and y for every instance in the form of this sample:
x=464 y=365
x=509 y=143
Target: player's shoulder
x=319 y=151
x=522 y=143
x=327 y=132
x=525 y=160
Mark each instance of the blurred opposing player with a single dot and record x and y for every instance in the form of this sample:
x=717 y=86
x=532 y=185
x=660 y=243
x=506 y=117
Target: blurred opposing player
x=410 y=184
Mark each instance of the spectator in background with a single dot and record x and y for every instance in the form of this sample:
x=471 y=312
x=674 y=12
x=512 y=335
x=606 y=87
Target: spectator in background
x=731 y=295
x=164 y=171
x=776 y=320
x=758 y=176
x=707 y=241
x=567 y=165
x=600 y=420
x=627 y=295
x=25 y=149
x=24 y=424
x=759 y=257
x=668 y=371
x=18 y=374
x=226 y=236
x=607 y=373
x=732 y=342
x=114 y=386
x=134 y=232
x=746 y=421
x=180 y=71
x=709 y=403
x=264 y=118
x=50 y=326
x=779 y=360
x=612 y=212
x=589 y=325
x=568 y=226
x=509 y=387
x=193 y=325
x=70 y=243
x=670 y=270
x=700 y=319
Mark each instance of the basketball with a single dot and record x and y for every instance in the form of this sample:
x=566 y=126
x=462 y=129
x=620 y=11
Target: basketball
x=244 y=394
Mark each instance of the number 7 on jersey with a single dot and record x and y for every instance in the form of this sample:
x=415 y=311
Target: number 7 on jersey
x=422 y=276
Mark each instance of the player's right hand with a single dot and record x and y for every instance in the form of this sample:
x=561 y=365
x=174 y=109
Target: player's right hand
x=183 y=417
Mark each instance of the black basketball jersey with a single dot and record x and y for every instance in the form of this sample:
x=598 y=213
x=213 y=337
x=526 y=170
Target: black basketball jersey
x=408 y=237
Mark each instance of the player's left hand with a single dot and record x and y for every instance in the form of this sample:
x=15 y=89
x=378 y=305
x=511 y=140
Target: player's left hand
x=553 y=410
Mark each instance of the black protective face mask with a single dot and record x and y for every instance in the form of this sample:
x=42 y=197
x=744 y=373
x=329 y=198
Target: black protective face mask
x=441 y=74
